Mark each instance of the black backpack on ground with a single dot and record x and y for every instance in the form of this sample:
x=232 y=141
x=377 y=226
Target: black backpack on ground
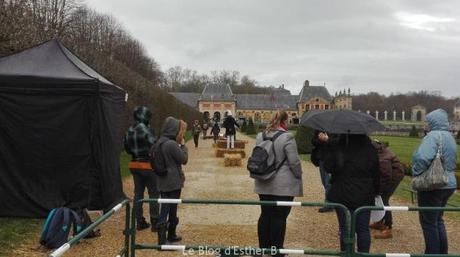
x=86 y=222
x=57 y=227
x=157 y=159
x=262 y=163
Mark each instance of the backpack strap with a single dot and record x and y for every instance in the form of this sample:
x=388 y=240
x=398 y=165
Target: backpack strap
x=48 y=219
x=66 y=218
x=77 y=221
x=277 y=134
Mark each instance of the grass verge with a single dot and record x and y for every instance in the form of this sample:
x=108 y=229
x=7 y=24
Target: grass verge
x=14 y=231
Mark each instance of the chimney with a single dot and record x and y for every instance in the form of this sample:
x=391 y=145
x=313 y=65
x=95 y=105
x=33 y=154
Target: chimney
x=306 y=83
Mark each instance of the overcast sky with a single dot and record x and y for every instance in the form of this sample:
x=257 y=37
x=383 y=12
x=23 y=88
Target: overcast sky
x=367 y=45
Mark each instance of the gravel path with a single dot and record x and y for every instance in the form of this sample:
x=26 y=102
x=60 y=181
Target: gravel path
x=207 y=178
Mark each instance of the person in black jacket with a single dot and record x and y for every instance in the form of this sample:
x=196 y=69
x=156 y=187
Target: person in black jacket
x=355 y=181
x=230 y=131
x=316 y=159
x=215 y=131
x=138 y=140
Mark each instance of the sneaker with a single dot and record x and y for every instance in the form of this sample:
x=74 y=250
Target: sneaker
x=325 y=209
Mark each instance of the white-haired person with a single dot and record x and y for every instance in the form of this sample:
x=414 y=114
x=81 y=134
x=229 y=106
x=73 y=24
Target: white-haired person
x=230 y=131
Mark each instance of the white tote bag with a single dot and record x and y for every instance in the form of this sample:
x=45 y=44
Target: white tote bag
x=377 y=215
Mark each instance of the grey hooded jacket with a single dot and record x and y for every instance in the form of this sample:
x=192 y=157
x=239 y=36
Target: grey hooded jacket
x=288 y=180
x=175 y=156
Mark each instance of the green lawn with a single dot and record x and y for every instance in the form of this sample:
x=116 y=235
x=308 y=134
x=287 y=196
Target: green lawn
x=14 y=231
x=404 y=147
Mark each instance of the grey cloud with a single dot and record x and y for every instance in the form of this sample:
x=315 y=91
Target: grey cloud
x=357 y=44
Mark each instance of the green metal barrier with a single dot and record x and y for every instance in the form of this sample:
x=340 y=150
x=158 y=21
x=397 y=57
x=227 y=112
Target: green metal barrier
x=123 y=252
x=223 y=249
x=394 y=208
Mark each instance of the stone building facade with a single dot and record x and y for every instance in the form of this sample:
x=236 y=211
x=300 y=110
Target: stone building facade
x=216 y=100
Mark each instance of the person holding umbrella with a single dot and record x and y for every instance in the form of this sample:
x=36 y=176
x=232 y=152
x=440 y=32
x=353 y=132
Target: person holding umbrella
x=353 y=163
x=316 y=159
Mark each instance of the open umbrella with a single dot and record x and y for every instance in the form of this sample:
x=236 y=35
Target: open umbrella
x=341 y=122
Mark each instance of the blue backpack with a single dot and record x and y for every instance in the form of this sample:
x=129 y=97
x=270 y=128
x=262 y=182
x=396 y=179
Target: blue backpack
x=58 y=225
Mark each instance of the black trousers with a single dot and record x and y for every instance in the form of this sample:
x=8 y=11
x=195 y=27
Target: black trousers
x=386 y=194
x=195 y=139
x=168 y=211
x=271 y=227
x=145 y=179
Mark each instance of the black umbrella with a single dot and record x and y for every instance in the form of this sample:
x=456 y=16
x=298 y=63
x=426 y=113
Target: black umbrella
x=341 y=122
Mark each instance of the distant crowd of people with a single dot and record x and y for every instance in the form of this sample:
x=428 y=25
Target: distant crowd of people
x=354 y=170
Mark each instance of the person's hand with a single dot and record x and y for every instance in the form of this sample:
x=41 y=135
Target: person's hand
x=323 y=137
x=182 y=142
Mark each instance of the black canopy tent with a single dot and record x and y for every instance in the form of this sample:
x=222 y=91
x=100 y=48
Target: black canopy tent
x=60 y=133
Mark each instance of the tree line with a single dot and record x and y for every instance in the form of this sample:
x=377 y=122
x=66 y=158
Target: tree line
x=178 y=79
x=100 y=41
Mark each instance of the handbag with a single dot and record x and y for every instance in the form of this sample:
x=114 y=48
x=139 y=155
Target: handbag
x=377 y=215
x=433 y=178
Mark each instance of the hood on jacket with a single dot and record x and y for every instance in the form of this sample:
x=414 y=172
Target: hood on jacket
x=438 y=120
x=170 y=128
x=142 y=114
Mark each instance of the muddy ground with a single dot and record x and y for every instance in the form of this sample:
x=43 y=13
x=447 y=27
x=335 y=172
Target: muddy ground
x=207 y=178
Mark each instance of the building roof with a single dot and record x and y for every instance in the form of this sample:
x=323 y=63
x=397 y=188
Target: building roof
x=217 y=92
x=190 y=99
x=266 y=102
x=309 y=92
x=457 y=104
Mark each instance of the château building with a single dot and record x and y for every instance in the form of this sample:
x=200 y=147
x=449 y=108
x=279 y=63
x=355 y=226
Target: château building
x=216 y=100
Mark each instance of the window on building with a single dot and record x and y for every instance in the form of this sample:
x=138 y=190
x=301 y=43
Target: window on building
x=317 y=107
x=307 y=107
x=217 y=105
x=326 y=107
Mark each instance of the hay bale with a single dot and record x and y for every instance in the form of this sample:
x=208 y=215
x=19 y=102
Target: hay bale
x=221 y=151
x=240 y=144
x=232 y=160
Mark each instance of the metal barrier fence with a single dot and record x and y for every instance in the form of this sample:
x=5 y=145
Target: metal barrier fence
x=223 y=249
x=123 y=252
x=394 y=208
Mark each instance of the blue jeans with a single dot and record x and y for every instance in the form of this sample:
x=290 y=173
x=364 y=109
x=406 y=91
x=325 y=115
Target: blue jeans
x=362 y=230
x=434 y=231
x=325 y=179
x=168 y=212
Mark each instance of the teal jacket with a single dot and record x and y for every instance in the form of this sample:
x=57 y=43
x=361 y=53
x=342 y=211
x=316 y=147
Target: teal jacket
x=426 y=152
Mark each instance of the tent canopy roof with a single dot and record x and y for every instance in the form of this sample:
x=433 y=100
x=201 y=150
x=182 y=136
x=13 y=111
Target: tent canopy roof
x=49 y=61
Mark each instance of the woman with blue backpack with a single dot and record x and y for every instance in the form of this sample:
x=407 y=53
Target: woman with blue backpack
x=283 y=183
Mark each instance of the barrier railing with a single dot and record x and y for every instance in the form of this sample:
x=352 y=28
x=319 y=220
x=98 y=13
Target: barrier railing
x=247 y=249
x=395 y=208
x=123 y=252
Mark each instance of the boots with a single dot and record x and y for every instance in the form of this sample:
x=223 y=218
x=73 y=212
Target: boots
x=384 y=234
x=172 y=236
x=377 y=225
x=142 y=224
x=161 y=230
